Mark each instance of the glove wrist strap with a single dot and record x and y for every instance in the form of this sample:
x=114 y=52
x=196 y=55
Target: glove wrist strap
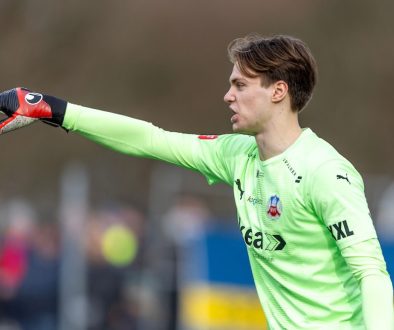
x=58 y=108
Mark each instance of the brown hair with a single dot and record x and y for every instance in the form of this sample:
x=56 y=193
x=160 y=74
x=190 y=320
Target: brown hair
x=277 y=58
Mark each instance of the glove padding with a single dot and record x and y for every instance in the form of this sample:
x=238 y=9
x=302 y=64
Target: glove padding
x=24 y=107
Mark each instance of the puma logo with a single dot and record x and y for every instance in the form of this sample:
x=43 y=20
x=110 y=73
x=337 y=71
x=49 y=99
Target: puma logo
x=241 y=192
x=341 y=177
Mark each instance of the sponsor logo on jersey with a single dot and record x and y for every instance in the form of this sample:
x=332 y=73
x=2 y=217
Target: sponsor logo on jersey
x=254 y=200
x=298 y=178
x=33 y=98
x=208 y=137
x=274 y=207
x=252 y=155
x=241 y=192
x=341 y=177
x=262 y=240
x=340 y=230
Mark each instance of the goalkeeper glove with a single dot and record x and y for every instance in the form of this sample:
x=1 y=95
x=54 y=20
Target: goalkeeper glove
x=24 y=107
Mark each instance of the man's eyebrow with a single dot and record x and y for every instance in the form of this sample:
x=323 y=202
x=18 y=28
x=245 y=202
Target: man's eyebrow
x=235 y=80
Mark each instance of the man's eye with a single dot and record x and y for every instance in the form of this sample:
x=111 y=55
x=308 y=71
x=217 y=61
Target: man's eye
x=240 y=85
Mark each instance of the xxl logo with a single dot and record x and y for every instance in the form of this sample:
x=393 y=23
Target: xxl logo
x=261 y=240
x=340 y=230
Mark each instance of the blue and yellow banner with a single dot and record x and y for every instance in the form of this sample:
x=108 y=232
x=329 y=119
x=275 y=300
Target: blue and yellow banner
x=217 y=290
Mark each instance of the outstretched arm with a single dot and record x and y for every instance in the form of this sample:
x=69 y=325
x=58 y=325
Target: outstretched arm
x=135 y=137
x=123 y=134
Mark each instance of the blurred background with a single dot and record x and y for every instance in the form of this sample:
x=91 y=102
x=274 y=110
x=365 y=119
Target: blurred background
x=92 y=239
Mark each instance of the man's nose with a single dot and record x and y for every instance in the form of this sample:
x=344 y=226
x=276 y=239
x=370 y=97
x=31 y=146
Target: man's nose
x=229 y=97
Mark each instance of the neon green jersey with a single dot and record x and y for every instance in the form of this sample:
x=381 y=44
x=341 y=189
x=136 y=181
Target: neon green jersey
x=296 y=211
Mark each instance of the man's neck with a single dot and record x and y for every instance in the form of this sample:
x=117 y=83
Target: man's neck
x=276 y=138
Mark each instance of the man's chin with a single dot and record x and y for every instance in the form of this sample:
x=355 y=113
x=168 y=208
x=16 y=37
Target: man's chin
x=239 y=130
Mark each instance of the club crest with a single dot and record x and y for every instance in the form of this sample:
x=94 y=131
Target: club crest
x=274 y=207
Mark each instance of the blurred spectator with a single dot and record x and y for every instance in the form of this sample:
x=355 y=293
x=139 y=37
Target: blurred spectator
x=186 y=219
x=29 y=270
x=18 y=225
x=113 y=264
x=385 y=215
x=385 y=227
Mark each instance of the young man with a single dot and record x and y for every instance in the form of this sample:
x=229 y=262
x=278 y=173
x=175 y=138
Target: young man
x=301 y=206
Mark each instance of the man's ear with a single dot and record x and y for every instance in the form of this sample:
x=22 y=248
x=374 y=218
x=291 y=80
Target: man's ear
x=280 y=89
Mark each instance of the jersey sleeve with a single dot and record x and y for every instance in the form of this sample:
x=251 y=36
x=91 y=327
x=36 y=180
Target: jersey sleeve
x=368 y=266
x=338 y=198
x=210 y=155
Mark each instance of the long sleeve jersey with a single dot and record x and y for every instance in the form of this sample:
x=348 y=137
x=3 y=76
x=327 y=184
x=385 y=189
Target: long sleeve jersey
x=302 y=214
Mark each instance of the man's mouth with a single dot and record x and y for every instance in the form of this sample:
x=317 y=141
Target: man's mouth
x=234 y=118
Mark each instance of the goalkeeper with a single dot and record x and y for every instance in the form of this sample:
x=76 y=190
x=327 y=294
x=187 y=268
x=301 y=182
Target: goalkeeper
x=302 y=211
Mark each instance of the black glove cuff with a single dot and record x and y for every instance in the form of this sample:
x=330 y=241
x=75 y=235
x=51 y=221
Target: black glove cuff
x=9 y=102
x=58 y=107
